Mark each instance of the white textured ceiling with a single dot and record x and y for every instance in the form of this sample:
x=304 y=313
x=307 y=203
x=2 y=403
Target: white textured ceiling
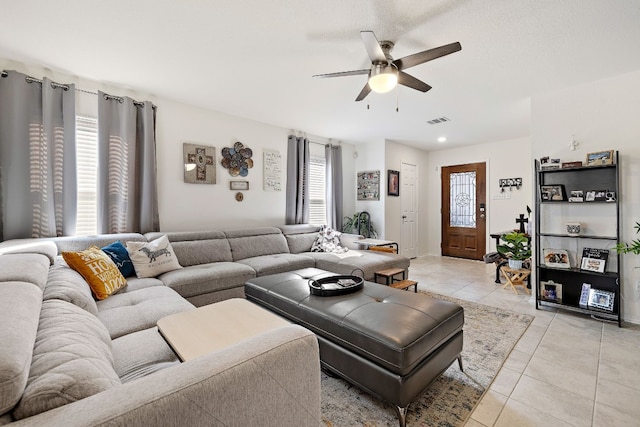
x=255 y=58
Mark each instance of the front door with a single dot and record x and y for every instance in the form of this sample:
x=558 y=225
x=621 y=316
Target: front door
x=464 y=211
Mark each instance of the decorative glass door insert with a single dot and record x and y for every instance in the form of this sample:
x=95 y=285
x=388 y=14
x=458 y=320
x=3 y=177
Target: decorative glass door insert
x=462 y=202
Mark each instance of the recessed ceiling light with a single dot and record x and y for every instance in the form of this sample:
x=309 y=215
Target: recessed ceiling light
x=442 y=139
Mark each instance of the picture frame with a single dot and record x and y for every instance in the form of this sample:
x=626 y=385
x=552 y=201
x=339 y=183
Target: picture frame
x=569 y=165
x=368 y=185
x=584 y=295
x=553 y=193
x=393 y=183
x=576 y=196
x=199 y=162
x=600 y=158
x=594 y=259
x=549 y=164
x=595 y=196
x=238 y=185
x=556 y=258
x=551 y=291
x=601 y=299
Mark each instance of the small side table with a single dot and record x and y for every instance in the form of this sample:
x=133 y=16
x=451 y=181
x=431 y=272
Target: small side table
x=516 y=278
x=367 y=243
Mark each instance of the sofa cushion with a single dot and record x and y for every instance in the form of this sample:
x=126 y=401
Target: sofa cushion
x=141 y=353
x=197 y=247
x=368 y=263
x=205 y=278
x=20 y=304
x=124 y=313
x=68 y=285
x=98 y=269
x=71 y=360
x=118 y=253
x=328 y=240
x=256 y=242
x=278 y=263
x=151 y=259
x=29 y=268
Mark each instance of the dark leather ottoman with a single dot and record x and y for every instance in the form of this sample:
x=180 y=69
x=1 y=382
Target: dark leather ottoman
x=389 y=342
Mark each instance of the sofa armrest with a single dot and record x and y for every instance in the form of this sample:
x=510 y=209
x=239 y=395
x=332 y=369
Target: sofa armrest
x=272 y=379
x=349 y=240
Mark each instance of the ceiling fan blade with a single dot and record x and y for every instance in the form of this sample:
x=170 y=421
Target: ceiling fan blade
x=343 y=73
x=372 y=45
x=425 y=56
x=364 y=92
x=410 y=81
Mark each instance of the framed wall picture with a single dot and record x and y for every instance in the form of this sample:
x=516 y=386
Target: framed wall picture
x=368 y=183
x=393 y=183
x=238 y=185
x=600 y=158
x=553 y=192
x=199 y=163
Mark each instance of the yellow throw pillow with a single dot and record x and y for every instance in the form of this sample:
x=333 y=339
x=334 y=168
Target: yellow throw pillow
x=98 y=269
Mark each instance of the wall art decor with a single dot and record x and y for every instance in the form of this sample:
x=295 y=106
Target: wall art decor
x=368 y=185
x=393 y=183
x=238 y=185
x=199 y=163
x=237 y=159
x=272 y=172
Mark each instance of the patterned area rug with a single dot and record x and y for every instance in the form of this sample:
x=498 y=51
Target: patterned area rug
x=490 y=334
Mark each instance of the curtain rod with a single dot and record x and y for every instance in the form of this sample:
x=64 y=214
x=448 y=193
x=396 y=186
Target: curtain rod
x=56 y=85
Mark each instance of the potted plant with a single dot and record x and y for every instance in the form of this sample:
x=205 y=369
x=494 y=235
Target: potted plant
x=359 y=224
x=515 y=249
x=633 y=247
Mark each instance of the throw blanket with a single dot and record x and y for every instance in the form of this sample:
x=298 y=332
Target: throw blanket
x=328 y=240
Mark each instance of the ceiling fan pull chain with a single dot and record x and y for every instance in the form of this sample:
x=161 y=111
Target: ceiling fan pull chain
x=397 y=100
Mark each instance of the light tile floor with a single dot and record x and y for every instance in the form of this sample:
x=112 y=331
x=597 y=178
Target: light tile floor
x=566 y=370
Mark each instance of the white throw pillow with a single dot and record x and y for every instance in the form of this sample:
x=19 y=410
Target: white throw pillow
x=328 y=240
x=152 y=258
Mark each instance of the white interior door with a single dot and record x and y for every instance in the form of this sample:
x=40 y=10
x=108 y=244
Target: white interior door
x=409 y=206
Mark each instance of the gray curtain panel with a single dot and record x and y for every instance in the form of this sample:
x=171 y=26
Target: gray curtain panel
x=127 y=182
x=297 y=204
x=37 y=157
x=333 y=195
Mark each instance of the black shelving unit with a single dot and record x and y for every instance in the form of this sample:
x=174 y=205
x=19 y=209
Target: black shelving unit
x=551 y=217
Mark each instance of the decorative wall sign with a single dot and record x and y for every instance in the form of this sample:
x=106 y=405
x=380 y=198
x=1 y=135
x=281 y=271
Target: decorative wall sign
x=369 y=185
x=238 y=185
x=272 y=172
x=237 y=159
x=199 y=163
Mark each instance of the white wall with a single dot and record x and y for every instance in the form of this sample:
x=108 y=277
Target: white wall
x=601 y=115
x=505 y=159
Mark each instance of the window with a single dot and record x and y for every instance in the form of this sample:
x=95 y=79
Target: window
x=87 y=164
x=317 y=181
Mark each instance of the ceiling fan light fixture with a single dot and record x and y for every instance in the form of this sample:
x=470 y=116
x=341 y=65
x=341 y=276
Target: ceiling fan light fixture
x=383 y=78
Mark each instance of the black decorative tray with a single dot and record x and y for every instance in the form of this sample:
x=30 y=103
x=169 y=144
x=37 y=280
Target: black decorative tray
x=335 y=285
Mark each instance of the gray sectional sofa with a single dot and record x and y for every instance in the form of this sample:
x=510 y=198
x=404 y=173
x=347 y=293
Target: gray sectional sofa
x=66 y=359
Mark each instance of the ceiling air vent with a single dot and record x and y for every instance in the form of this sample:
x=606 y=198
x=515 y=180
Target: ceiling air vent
x=439 y=120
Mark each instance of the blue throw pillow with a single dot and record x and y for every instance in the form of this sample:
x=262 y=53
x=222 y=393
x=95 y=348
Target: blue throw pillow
x=118 y=253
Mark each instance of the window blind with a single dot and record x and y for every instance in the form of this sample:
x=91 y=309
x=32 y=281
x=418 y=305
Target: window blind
x=317 y=185
x=87 y=169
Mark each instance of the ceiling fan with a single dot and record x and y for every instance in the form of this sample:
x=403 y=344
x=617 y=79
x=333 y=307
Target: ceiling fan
x=385 y=72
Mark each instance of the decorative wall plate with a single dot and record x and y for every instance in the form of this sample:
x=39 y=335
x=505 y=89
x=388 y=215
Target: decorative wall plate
x=237 y=159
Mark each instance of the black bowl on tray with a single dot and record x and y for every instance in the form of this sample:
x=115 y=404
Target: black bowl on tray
x=335 y=285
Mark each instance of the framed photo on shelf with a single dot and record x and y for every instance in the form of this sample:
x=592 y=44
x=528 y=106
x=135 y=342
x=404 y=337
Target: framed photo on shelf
x=551 y=291
x=576 y=196
x=553 y=192
x=584 y=295
x=393 y=183
x=594 y=259
x=557 y=258
x=600 y=299
x=596 y=196
x=600 y=158
x=569 y=165
x=610 y=196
